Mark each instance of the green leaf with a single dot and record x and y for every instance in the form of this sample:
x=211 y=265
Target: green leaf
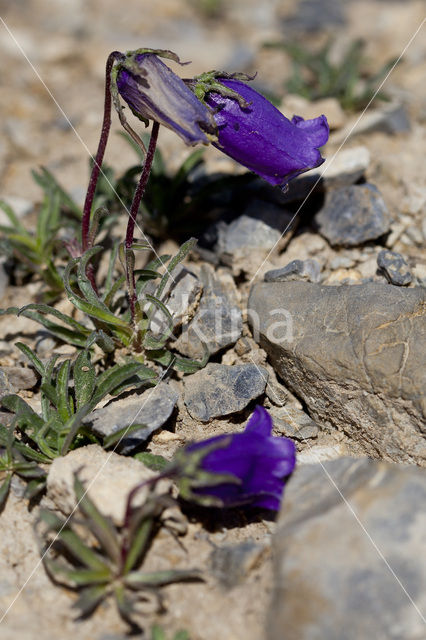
x=32 y=357
x=34 y=487
x=17 y=405
x=82 y=577
x=57 y=330
x=100 y=525
x=48 y=183
x=84 y=379
x=114 y=377
x=96 y=310
x=153 y=462
x=160 y=578
x=14 y=220
x=181 y=255
x=4 y=490
x=118 y=435
x=139 y=544
x=89 y=599
x=73 y=542
x=62 y=383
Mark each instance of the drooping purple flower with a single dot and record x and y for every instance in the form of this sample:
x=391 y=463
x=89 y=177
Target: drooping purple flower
x=154 y=92
x=257 y=135
x=238 y=469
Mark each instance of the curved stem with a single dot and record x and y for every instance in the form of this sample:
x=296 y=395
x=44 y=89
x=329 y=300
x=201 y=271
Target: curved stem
x=137 y=197
x=140 y=189
x=106 y=125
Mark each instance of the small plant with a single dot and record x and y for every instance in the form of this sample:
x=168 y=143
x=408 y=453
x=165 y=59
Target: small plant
x=114 y=323
x=16 y=458
x=315 y=76
x=43 y=251
x=69 y=392
x=109 y=565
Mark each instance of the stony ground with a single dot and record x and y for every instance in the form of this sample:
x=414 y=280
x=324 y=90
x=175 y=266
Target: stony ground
x=323 y=323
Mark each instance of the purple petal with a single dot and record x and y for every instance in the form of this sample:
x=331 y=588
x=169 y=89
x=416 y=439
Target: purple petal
x=154 y=92
x=262 y=139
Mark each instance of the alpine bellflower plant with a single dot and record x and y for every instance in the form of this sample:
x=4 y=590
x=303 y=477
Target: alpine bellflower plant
x=252 y=131
x=239 y=469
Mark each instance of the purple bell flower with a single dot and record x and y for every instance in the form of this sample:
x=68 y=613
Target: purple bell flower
x=154 y=92
x=257 y=135
x=238 y=469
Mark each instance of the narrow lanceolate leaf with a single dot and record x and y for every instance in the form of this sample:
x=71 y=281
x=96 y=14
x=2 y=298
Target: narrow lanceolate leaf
x=32 y=357
x=82 y=577
x=46 y=309
x=99 y=525
x=116 y=376
x=82 y=553
x=125 y=432
x=4 y=490
x=181 y=255
x=48 y=183
x=89 y=599
x=160 y=578
x=96 y=310
x=139 y=544
x=84 y=379
x=153 y=462
x=18 y=406
x=62 y=382
x=34 y=487
x=13 y=218
x=61 y=332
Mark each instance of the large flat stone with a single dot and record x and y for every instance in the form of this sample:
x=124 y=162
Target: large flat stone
x=341 y=576
x=355 y=355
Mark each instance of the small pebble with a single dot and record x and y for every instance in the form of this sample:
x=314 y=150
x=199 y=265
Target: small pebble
x=394 y=267
x=296 y=270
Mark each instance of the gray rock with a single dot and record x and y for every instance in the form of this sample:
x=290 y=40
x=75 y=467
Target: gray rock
x=309 y=269
x=245 y=233
x=355 y=355
x=230 y=564
x=151 y=409
x=350 y=570
x=394 y=267
x=108 y=477
x=295 y=423
x=341 y=170
x=20 y=377
x=5 y=385
x=179 y=295
x=353 y=215
x=252 y=235
x=219 y=390
x=312 y=16
x=392 y=118
x=217 y=323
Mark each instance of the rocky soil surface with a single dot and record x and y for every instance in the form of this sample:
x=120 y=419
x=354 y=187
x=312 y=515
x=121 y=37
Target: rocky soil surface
x=311 y=303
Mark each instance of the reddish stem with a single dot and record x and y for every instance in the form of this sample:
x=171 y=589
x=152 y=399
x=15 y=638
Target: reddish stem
x=106 y=125
x=140 y=189
x=137 y=197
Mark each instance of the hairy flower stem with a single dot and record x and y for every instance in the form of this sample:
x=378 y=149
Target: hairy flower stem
x=106 y=125
x=137 y=197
